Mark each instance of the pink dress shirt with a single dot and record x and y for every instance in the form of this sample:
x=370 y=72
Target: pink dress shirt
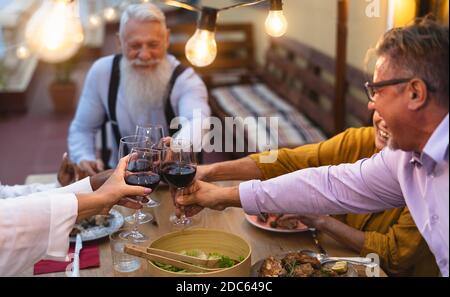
x=369 y=185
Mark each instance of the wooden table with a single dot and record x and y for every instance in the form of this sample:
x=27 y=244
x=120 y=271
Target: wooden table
x=263 y=243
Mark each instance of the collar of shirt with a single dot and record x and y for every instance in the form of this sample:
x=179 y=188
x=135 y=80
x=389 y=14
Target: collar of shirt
x=436 y=148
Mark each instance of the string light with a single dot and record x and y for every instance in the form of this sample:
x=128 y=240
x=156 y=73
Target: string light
x=110 y=14
x=54 y=33
x=201 y=48
x=276 y=23
x=94 y=21
x=22 y=52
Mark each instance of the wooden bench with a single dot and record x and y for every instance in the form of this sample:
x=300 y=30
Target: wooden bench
x=298 y=85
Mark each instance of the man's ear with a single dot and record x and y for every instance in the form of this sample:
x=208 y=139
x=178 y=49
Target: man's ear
x=418 y=94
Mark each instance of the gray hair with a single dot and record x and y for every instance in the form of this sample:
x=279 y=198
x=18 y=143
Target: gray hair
x=144 y=12
x=422 y=50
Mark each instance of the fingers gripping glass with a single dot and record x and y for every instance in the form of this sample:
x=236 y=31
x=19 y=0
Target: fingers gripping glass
x=179 y=169
x=142 y=170
x=155 y=134
x=126 y=144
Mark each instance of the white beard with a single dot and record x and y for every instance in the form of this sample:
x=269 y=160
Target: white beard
x=144 y=90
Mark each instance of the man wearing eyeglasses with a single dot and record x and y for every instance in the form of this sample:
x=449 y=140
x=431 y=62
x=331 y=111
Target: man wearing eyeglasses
x=410 y=91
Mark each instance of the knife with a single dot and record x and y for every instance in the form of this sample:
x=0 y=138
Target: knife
x=313 y=232
x=76 y=257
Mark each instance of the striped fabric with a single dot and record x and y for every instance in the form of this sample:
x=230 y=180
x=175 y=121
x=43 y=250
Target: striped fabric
x=257 y=100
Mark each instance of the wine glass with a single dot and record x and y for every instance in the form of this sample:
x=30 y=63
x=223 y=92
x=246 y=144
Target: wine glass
x=155 y=134
x=142 y=170
x=126 y=144
x=179 y=169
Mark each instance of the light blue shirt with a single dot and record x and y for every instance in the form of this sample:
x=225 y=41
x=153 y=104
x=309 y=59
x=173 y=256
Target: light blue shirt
x=387 y=180
x=189 y=93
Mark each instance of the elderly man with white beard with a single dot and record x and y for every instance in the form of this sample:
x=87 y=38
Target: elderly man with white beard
x=143 y=85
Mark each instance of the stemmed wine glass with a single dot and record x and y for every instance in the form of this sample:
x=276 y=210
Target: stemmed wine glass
x=178 y=169
x=142 y=170
x=126 y=144
x=155 y=134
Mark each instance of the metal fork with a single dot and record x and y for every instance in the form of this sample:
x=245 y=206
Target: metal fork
x=313 y=232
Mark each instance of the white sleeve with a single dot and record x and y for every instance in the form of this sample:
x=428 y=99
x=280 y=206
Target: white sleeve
x=193 y=108
x=82 y=186
x=21 y=190
x=89 y=117
x=34 y=227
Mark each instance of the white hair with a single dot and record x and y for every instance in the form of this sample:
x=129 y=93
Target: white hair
x=144 y=12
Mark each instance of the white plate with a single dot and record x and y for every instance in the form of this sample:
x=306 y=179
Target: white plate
x=115 y=223
x=266 y=226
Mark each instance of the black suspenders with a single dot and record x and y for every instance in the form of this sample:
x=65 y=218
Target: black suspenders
x=114 y=83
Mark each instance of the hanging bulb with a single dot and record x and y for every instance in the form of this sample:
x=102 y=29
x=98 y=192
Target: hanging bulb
x=276 y=23
x=201 y=49
x=22 y=52
x=110 y=14
x=54 y=33
x=94 y=20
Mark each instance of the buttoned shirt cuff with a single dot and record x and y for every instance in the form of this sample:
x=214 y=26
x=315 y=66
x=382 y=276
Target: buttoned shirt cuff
x=247 y=194
x=64 y=211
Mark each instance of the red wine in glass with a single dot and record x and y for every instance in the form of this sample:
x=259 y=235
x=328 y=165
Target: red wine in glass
x=148 y=180
x=179 y=175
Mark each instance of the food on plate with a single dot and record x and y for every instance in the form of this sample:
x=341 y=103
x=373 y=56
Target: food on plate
x=279 y=221
x=340 y=267
x=272 y=267
x=298 y=264
x=94 y=221
x=224 y=261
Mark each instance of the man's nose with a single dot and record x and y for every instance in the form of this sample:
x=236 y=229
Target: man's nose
x=145 y=54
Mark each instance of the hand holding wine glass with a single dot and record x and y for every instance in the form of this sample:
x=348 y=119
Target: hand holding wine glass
x=142 y=170
x=179 y=168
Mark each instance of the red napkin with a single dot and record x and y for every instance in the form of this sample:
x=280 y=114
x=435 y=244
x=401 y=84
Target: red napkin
x=89 y=257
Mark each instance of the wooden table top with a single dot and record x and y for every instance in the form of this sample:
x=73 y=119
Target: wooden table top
x=263 y=243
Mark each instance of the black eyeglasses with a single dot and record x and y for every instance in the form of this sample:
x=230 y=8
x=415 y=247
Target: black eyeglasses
x=371 y=88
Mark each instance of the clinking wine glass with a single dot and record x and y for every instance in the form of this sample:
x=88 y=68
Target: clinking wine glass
x=155 y=134
x=142 y=170
x=126 y=144
x=179 y=169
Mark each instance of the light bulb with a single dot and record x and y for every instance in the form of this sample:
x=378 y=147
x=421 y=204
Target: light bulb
x=201 y=49
x=110 y=14
x=276 y=24
x=54 y=33
x=22 y=52
x=94 y=20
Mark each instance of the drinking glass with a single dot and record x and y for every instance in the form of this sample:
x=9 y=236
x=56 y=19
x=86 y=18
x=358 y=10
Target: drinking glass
x=122 y=262
x=155 y=134
x=179 y=168
x=126 y=144
x=142 y=170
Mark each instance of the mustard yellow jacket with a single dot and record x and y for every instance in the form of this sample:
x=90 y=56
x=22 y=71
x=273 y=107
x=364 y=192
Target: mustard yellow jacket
x=391 y=234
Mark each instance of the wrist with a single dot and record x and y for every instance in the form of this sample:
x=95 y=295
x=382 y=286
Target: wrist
x=231 y=197
x=322 y=223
